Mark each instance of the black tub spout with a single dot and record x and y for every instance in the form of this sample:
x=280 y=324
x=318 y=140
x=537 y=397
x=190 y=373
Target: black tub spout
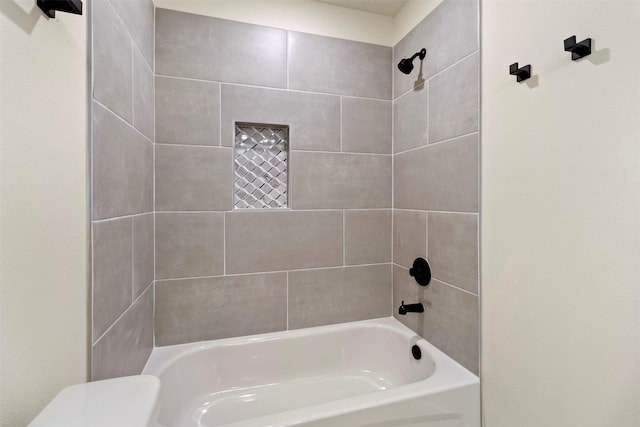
x=410 y=308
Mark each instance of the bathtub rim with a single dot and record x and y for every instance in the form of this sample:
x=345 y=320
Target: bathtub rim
x=447 y=376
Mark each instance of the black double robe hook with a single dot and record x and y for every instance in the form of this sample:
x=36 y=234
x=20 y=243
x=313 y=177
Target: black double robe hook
x=578 y=50
x=521 y=73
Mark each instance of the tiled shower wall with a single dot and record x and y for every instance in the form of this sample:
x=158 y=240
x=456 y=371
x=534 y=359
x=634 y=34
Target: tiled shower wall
x=122 y=125
x=435 y=181
x=222 y=272
x=340 y=253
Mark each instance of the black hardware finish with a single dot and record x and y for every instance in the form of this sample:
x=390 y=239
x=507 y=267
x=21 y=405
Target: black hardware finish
x=521 y=73
x=50 y=6
x=417 y=353
x=421 y=271
x=406 y=64
x=410 y=308
x=578 y=50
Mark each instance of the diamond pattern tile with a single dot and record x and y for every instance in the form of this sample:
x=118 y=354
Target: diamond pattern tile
x=260 y=165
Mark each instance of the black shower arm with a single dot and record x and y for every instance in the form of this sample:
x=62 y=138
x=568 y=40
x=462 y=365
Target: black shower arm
x=421 y=54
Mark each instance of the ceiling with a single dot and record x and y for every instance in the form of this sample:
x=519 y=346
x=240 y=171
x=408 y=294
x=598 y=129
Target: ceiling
x=380 y=7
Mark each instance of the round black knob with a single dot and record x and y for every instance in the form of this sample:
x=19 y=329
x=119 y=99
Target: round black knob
x=421 y=271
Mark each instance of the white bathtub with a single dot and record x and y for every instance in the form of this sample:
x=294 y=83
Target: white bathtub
x=353 y=374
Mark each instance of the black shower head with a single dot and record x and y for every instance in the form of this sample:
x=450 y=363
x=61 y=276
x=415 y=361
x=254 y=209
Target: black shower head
x=406 y=64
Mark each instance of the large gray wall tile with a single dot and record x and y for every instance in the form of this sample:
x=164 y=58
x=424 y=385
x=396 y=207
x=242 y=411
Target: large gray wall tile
x=366 y=125
x=410 y=120
x=207 y=48
x=449 y=33
x=139 y=18
x=453 y=249
x=112 y=272
x=335 y=295
x=442 y=177
x=285 y=240
x=454 y=101
x=451 y=323
x=409 y=236
x=189 y=244
x=143 y=96
x=220 y=307
x=187 y=112
x=313 y=119
x=143 y=253
x=340 y=180
x=344 y=67
x=193 y=178
x=122 y=167
x=125 y=348
x=112 y=61
x=367 y=236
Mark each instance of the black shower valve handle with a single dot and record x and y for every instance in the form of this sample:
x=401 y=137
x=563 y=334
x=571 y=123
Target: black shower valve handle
x=421 y=271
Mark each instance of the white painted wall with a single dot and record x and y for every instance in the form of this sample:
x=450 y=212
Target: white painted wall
x=43 y=208
x=312 y=17
x=561 y=216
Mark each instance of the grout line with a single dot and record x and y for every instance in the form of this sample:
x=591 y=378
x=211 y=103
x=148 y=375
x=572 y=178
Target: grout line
x=433 y=144
x=153 y=316
x=281 y=89
x=391 y=296
x=479 y=218
x=287 y=279
x=342 y=152
x=153 y=72
x=90 y=127
x=173 y=279
x=294 y=151
x=441 y=281
x=131 y=35
x=220 y=117
x=96 y=221
x=193 y=145
x=426 y=232
x=435 y=211
x=155 y=14
x=122 y=315
x=133 y=87
x=265 y=210
x=93 y=280
x=477 y=131
x=393 y=69
x=344 y=239
x=133 y=276
x=393 y=148
x=427 y=88
x=123 y=120
x=341 y=144
x=224 y=243
x=287 y=57
x=454 y=286
x=393 y=195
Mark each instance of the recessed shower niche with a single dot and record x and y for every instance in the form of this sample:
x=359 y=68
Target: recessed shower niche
x=260 y=166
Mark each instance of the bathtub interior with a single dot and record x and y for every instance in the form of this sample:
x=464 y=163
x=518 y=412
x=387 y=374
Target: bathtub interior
x=231 y=381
